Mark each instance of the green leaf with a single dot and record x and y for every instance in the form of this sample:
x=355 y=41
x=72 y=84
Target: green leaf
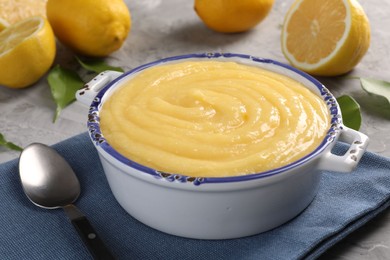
x=97 y=65
x=9 y=145
x=350 y=111
x=63 y=84
x=376 y=87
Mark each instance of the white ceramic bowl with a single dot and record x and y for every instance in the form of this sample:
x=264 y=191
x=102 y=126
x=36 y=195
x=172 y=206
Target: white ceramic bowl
x=219 y=208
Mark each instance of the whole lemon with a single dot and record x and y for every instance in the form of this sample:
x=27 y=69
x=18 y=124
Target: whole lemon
x=27 y=50
x=90 y=27
x=232 y=16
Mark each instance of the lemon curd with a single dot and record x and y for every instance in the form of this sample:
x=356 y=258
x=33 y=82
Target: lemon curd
x=213 y=119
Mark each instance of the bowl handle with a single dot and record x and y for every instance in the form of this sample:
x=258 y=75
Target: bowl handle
x=348 y=161
x=87 y=94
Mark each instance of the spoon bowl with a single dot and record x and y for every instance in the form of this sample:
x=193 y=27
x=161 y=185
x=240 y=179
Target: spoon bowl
x=49 y=182
x=52 y=183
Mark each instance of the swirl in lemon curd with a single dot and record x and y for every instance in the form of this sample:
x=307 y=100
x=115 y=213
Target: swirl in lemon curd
x=213 y=119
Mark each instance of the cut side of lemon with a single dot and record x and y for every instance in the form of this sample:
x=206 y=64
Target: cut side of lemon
x=14 y=11
x=27 y=50
x=325 y=38
x=3 y=24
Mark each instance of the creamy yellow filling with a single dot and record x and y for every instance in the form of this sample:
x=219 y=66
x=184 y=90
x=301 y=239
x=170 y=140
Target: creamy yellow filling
x=213 y=119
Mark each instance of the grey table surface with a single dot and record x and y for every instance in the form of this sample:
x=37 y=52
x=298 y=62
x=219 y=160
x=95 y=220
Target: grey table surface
x=171 y=27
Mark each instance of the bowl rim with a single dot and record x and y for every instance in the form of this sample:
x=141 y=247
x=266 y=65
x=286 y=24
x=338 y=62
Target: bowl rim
x=93 y=123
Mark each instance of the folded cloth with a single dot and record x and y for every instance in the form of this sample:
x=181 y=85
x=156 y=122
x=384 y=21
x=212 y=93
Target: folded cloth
x=344 y=203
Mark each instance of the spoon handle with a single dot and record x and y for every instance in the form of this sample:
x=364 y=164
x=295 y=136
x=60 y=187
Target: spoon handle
x=87 y=233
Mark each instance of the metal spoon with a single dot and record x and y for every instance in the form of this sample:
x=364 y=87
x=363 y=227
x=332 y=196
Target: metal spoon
x=49 y=182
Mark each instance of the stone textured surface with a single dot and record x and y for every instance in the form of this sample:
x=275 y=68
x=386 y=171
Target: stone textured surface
x=171 y=27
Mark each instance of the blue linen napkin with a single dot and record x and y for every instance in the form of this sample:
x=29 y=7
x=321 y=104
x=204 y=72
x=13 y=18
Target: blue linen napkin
x=345 y=201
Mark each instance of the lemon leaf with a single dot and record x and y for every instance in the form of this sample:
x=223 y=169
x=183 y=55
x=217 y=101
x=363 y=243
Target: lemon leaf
x=63 y=84
x=376 y=87
x=350 y=110
x=9 y=145
x=97 y=65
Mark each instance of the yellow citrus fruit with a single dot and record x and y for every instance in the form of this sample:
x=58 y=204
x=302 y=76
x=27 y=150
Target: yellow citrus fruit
x=27 y=50
x=325 y=38
x=14 y=11
x=232 y=16
x=90 y=27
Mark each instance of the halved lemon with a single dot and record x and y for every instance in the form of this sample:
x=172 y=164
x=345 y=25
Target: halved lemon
x=325 y=38
x=27 y=50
